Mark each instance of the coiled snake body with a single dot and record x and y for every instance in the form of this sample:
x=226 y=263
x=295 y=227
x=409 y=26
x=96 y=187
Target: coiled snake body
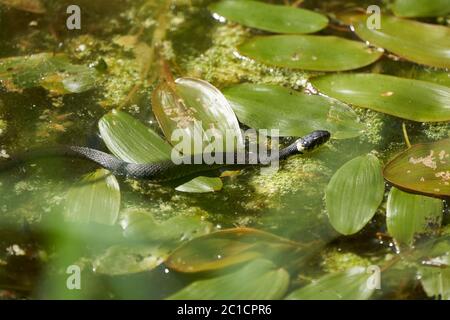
x=167 y=170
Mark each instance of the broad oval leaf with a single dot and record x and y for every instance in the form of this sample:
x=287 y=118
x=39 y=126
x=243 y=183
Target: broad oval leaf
x=142 y=226
x=291 y=112
x=415 y=41
x=263 y=281
x=192 y=107
x=404 y=98
x=307 y=52
x=409 y=214
x=354 y=193
x=130 y=140
x=269 y=17
x=122 y=259
x=349 y=285
x=421 y=8
x=95 y=199
x=423 y=168
x=226 y=248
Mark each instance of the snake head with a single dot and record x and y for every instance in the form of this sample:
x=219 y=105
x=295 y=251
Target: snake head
x=312 y=141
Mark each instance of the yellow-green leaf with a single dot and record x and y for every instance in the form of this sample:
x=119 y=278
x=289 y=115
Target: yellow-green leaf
x=421 y=8
x=257 y=280
x=404 y=98
x=415 y=41
x=354 y=194
x=308 y=52
x=409 y=214
x=269 y=17
x=423 y=169
x=292 y=113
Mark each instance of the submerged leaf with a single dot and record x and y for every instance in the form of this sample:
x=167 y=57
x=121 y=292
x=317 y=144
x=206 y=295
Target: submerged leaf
x=53 y=72
x=130 y=140
x=122 y=259
x=291 y=112
x=423 y=169
x=226 y=248
x=421 y=8
x=317 y=53
x=96 y=199
x=350 y=285
x=436 y=282
x=415 y=41
x=142 y=226
x=405 y=98
x=257 y=280
x=269 y=17
x=34 y=6
x=408 y=214
x=354 y=193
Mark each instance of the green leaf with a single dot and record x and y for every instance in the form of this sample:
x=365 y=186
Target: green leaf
x=404 y=98
x=130 y=140
x=257 y=280
x=423 y=168
x=226 y=248
x=95 y=199
x=193 y=107
x=291 y=112
x=34 y=6
x=415 y=41
x=436 y=282
x=317 y=53
x=201 y=185
x=348 y=285
x=268 y=17
x=354 y=194
x=408 y=214
x=421 y=8
x=53 y=72
x=142 y=226
x=122 y=259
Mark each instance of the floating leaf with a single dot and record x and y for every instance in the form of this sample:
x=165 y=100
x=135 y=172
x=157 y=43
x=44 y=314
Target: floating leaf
x=421 y=8
x=408 y=214
x=354 y=194
x=96 y=199
x=436 y=282
x=228 y=247
x=121 y=259
x=291 y=112
x=262 y=279
x=131 y=140
x=268 y=17
x=194 y=107
x=415 y=41
x=142 y=226
x=34 y=6
x=405 y=98
x=53 y=72
x=201 y=185
x=310 y=52
x=349 y=285
x=423 y=169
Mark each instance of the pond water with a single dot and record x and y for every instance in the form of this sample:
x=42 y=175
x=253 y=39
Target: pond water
x=38 y=244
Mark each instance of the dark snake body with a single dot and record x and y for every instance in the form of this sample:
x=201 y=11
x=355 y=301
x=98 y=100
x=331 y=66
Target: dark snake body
x=168 y=170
